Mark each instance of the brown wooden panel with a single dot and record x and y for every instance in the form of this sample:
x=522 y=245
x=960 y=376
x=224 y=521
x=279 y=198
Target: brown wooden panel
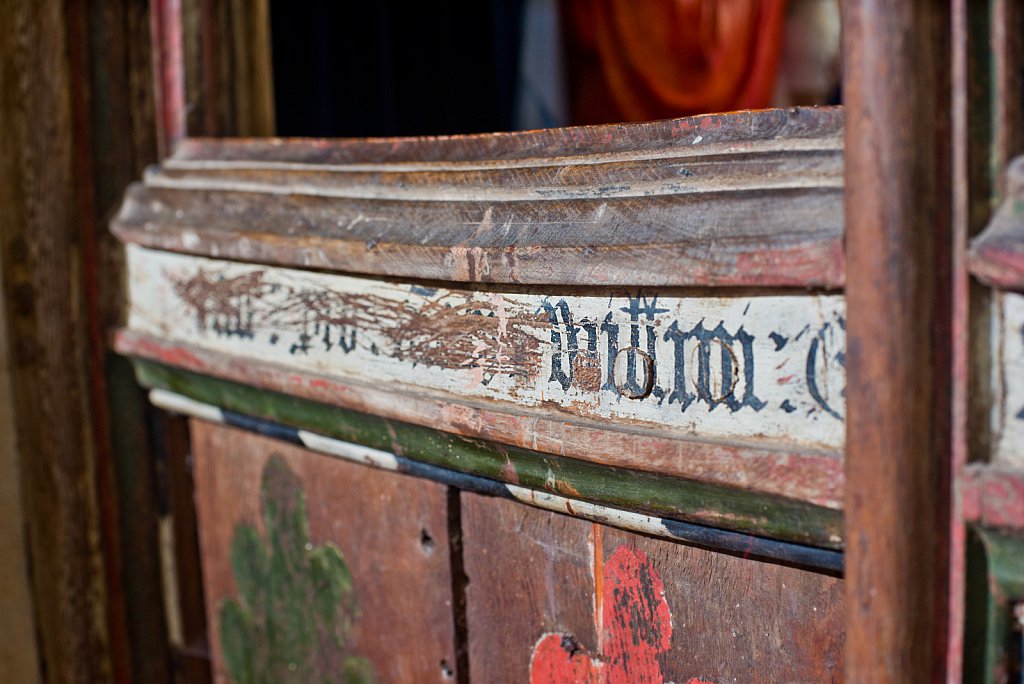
x=732 y=619
x=389 y=531
x=529 y=574
x=553 y=599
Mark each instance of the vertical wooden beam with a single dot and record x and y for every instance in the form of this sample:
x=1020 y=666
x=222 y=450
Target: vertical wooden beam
x=227 y=67
x=40 y=244
x=168 y=72
x=898 y=204
x=988 y=131
x=962 y=334
x=19 y=655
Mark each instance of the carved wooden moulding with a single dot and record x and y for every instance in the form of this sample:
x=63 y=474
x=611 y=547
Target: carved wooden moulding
x=548 y=290
x=997 y=259
x=997 y=254
x=753 y=198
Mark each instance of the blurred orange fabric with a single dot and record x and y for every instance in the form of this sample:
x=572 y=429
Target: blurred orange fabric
x=635 y=60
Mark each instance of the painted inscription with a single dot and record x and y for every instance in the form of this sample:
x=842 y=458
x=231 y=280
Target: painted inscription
x=738 y=367
x=293 y=616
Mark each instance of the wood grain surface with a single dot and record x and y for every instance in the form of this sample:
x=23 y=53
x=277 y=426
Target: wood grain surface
x=551 y=599
x=752 y=198
x=896 y=84
x=44 y=220
x=812 y=476
x=529 y=573
x=225 y=59
x=390 y=530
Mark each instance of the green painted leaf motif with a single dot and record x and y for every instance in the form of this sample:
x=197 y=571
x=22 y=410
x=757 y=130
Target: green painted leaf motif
x=249 y=562
x=296 y=605
x=357 y=670
x=236 y=633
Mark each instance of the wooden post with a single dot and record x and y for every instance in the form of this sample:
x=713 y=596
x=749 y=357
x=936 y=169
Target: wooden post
x=40 y=241
x=898 y=203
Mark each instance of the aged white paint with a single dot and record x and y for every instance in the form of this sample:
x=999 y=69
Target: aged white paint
x=1008 y=379
x=752 y=367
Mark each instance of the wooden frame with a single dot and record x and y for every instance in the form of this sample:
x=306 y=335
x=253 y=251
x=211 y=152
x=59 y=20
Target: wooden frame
x=910 y=209
x=494 y=212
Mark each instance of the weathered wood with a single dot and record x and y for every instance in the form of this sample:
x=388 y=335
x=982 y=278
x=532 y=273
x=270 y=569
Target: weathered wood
x=896 y=90
x=555 y=600
x=112 y=90
x=1007 y=417
x=757 y=368
x=630 y=490
x=529 y=573
x=226 y=65
x=744 y=199
x=798 y=555
x=168 y=73
x=370 y=589
x=42 y=208
x=19 y=649
x=815 y=477
x=997 y=255
x=187 y=628
x=993 y=496
x=988 y=127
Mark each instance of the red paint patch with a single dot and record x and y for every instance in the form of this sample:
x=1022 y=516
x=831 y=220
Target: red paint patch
x=637 y=630
x=637 y=622
x=558 y=659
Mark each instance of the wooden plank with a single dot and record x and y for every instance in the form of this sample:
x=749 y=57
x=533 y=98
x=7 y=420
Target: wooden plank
x=824 y=560
x=529 y=573
x=601 y=604
x=186 y=605
x=730 y=618
x=226 y=65
x=19 y=650
x=376 y=543
x=755 y=368
x=43 y=206
x=751 y=198
x=112 y=92
x=629 y=490
x=898 y=242
x=811 y=476
x=988 y=128
x=168 y=73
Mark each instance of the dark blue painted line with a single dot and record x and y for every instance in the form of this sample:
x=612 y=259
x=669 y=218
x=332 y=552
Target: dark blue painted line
x=453 y=478
x=712 y=538
x=262 y=427
x=750 y=546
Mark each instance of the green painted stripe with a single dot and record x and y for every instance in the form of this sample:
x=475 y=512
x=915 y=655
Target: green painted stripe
x=762 y=514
